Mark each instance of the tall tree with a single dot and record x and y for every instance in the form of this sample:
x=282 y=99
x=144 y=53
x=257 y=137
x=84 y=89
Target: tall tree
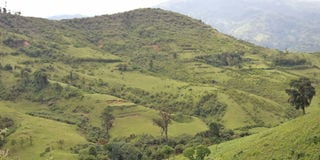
x=301 y=93
x=163 y=122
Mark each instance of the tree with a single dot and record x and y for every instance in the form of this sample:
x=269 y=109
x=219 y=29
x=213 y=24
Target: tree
x=301 y=93
x=107 y=119
x=198 y=153
x=40 y=80
x=163 y=122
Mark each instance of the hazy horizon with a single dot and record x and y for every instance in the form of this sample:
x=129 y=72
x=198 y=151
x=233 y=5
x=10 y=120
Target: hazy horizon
x=50 y=8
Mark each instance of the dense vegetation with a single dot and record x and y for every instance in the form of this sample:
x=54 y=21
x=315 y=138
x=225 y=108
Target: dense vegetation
x=144 y=84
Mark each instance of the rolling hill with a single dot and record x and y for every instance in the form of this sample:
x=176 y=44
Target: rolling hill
x=285 y=24
x=62 y=75
x=297 y=139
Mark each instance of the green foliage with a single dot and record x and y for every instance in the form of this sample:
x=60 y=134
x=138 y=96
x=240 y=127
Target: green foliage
x=197 y=153
x=8 y=67
x=123 y=151
x=6 y=128
x=289 y=62
x=14 y=42
x=92 y=133
x=301 y=93
x=6 y=122
x=40 y=80
x=217 y=133
x=39 y=51
x=209 y=106
x=223 y=59
x=166 y=151
x=107 y=119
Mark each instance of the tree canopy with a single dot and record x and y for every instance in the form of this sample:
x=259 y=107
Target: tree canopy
x=197 y=153
x=301 y=93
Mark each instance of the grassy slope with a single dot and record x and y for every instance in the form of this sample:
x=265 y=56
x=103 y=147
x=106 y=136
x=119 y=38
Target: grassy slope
x=296 y=139
x=287 y=141
x=138 y=120
x=45 y=133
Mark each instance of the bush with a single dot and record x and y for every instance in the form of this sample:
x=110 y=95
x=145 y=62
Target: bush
x=8 y=67
x=223 y=59
x=6 y=122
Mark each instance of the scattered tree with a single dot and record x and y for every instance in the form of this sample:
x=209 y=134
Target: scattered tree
x=301 y=93
x=163 y=122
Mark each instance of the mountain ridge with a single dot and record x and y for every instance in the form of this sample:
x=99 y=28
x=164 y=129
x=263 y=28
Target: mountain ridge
x=274 y=24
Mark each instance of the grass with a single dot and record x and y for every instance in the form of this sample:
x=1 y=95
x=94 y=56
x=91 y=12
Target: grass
x=43 y=132
x=87 y=52
x=138 y=120
x=297 y=138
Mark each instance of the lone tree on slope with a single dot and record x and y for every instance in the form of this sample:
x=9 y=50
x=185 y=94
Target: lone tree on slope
x=301 y=93
x=163 y=122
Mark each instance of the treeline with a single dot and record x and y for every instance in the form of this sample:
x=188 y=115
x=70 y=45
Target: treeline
x=147 y=147
x=222 y=59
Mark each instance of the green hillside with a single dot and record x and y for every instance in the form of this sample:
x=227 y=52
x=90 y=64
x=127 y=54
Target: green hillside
x=59 y=80
x=297 y=139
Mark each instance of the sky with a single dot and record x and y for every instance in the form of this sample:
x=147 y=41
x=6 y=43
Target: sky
x=48 y=8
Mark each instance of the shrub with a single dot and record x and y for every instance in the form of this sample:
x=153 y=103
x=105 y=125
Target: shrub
x=289 y=62
x=8 y=67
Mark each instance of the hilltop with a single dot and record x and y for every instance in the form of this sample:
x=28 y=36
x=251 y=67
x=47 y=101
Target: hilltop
x=131 y=65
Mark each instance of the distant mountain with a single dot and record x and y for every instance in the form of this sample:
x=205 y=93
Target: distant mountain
x=280 y=24
x=67 y=16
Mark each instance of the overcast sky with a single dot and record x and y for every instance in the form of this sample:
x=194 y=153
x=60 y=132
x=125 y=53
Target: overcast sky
x=47 y=8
